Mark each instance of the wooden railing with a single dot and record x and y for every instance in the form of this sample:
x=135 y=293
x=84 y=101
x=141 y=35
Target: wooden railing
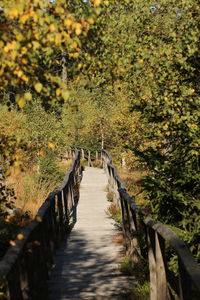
x=25 y=268
x=149 y=238
x=91 y=157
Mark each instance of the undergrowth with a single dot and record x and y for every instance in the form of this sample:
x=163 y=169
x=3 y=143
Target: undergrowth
x=114 y=212
x=22 y=195
x=139 y=271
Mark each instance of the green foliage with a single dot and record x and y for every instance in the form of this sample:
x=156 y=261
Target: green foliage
x=126 y=266
x=85 y=122
x=125 y=75
x=139 y=271
x=48 y=169
x=157 y=68
x=142 y=292
x=7 y=197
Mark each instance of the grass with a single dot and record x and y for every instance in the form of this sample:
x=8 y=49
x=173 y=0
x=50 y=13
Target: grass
x=110 y=196
x=138 y=270
x=30 y=191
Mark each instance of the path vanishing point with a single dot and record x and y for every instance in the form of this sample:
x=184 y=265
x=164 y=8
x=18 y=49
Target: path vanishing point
x=86 y=264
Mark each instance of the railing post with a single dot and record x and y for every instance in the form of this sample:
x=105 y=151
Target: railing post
x=60 y=215
x=97 y=156
x=82 y=154
x=152 y=263
x=161 y=279
x=14 y=286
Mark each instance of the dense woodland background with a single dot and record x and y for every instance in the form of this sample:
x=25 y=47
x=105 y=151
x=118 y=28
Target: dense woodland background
x=125 y=74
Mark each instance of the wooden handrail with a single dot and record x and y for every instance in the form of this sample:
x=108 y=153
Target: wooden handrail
x=25 y=268
x=157 y=237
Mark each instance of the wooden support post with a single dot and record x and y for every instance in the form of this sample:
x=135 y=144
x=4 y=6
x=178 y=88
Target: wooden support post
x=82 y=154
x=60 y=215
x=66 y=193
x=152 y=264
x=97 y=156
x=14 y=287
x=161 y=280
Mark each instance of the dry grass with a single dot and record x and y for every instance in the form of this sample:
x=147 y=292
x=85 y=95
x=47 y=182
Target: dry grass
x=114 y=212
x=132 y=180
x=110 y=196
x=118 y=239
x=64 y=165
x=30 y=192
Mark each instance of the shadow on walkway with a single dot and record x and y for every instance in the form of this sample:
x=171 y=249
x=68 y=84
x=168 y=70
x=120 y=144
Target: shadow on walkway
x=83 y=271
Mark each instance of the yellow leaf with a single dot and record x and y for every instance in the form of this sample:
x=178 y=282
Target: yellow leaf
x=25 y=78
x=39 y=219
x=20 y=236
x=78 y=28
x=51 y=145
x=19 y=73
x=76 y=55
x=58 y=39
x=10 y=46
x=58 y=92
x=28 y=96
x=41 y=153
x=90 y=21
x=12 y=243
x=24 y=50
x=68 y=22
x=36 y=45
x=19 y=37
x=52 y=27
x=97 y=3
x=65 y=95
x=21 y=102
x=74 y=45
x=24 y=18
x=24 y=61
x=14 y=13
x=35 y=18
x=38 y=87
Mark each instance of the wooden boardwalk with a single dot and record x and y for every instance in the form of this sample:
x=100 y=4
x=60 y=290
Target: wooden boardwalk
x=86 y=264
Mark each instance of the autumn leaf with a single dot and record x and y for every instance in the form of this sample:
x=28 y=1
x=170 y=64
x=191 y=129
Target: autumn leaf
x=38 y=87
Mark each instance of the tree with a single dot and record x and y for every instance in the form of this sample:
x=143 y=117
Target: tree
x=33 y=36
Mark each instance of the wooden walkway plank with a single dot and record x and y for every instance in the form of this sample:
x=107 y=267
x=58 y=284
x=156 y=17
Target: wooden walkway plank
x=86 y=264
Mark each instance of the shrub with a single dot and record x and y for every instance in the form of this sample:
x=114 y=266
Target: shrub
x=114 y=212
x=48 y=169
x=110 y=196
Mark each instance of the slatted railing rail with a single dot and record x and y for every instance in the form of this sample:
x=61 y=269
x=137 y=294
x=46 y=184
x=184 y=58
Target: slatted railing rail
x=91 y=157
x=149 y=238
x=25 y=268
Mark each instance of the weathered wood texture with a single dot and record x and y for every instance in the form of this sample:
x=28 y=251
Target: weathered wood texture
x=142 y=233
x=86 y=265
x=25 y=268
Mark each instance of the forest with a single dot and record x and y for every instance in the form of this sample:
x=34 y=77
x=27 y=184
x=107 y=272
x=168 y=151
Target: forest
x=122 y=75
